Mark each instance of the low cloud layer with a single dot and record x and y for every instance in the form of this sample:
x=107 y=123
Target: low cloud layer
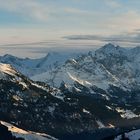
x=133 y=37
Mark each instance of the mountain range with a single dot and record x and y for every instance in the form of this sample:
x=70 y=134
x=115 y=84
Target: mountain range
x=68 y=95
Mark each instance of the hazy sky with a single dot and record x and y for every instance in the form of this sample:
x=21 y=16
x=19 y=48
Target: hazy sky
x=27 y=21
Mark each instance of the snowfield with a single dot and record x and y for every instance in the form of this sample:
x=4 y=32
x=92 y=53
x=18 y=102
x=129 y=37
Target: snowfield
x=133 y=135
x=27 y=135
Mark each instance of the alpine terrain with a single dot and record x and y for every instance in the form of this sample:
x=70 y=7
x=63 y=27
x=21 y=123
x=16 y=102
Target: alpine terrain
x=85 y=96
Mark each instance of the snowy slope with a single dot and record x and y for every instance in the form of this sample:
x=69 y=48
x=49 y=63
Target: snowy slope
x=122 y=63
x=6 y=69
x=27 y=135
x=109 y=65
x=31 y=67
x=85 y=72
x=133 y=135
x=7 y=72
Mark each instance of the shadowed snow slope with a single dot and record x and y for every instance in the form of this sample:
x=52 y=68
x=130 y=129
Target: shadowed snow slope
x=133 y=135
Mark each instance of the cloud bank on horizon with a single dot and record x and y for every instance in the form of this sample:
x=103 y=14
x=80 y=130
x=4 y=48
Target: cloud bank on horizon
x=40 y=20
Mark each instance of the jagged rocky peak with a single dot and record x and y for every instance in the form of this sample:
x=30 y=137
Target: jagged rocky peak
x=111 y=49
x=9 y=57
x=109 y=46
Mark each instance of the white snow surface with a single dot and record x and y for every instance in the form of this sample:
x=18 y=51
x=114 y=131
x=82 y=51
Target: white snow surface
x=100 y=124
x=27 y=135
x=128 y=114
x=133 y=135
x=6 y=69
x=86 y=111
x=86 y=72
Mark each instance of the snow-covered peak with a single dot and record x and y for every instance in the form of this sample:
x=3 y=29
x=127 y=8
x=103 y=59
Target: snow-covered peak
x=109 y=50
x=7 y=69
x=8 y=73
x=10 y=58
x=109 y=46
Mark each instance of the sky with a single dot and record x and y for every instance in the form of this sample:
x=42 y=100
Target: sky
x=65 y=22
